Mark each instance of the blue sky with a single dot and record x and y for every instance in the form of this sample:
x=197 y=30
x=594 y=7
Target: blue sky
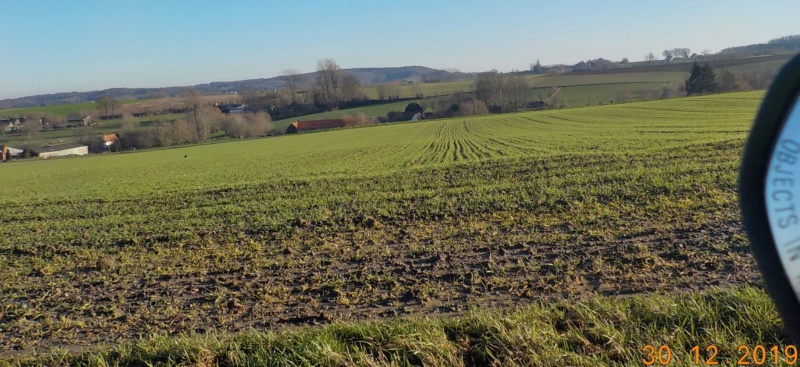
x=63 y=46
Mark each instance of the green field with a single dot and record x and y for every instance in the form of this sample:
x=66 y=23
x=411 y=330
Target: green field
x=561 y=80
x=770 y=67
x=429 y=89
x=370 y=111
x=406 y=220
x=60 y=110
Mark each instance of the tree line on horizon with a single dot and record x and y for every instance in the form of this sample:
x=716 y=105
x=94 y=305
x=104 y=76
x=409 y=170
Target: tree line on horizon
x=781 y=45
x=333 y=88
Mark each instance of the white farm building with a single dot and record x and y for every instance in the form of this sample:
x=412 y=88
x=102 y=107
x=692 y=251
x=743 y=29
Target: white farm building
x=63 y=150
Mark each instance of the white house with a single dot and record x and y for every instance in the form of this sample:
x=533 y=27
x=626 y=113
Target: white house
x=12 y=124
x=63 y=150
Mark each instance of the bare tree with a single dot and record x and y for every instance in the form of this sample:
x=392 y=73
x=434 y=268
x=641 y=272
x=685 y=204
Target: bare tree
x=490 y=87
x=128 y=129
x=483 y=87
x=274 y=99
x=292 y=78
x=393 y=90
x=183 y=132
x=328 y=81
x=305 y=96
x=241 y=126
x=254 y=101
x=200 y=121
x=101 y=103
x=192 y=104
x=472 y=107
x=518 y=90
x=419 y=89
x=164 y=133
x=351 y=87
x=106 y=105
x=128 y=123
x=382 y=91
x=210 y=118
x=649 y=57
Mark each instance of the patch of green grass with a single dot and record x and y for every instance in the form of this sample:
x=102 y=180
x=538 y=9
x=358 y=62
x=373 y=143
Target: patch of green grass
x=560 y=80
x=594 y=95
x=369 y=111
x=428 y=89
x=59 y=110
x=767 y=68
x=597 y=332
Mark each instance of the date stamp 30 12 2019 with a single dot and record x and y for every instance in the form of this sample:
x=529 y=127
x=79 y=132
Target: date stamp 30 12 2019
x=709 y=356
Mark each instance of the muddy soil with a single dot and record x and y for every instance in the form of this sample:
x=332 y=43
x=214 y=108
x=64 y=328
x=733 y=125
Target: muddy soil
x=382 y=270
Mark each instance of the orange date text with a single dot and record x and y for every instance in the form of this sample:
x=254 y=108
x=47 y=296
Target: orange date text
x=758 y=355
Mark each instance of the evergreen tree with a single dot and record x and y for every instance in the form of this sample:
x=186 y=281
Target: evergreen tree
x=709 y=79
x=414 y=107
x=702 y=80
x=693 y=83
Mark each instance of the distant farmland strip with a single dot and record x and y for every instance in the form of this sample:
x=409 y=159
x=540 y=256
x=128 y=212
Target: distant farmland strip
x=595 y=84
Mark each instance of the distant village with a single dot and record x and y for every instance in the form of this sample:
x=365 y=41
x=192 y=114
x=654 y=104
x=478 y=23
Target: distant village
x=10 y=125
x=107 y=142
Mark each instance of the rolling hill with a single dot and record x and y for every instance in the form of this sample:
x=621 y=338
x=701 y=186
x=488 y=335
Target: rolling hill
x=365 y=75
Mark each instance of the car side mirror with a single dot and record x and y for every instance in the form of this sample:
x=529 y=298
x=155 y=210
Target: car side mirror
x=769 y=193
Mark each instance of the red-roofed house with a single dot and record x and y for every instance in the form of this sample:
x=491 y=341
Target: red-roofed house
x=301 y=126
x=109 y=140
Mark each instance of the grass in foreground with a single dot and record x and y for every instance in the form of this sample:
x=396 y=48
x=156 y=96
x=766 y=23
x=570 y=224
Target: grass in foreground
x=596 y=332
